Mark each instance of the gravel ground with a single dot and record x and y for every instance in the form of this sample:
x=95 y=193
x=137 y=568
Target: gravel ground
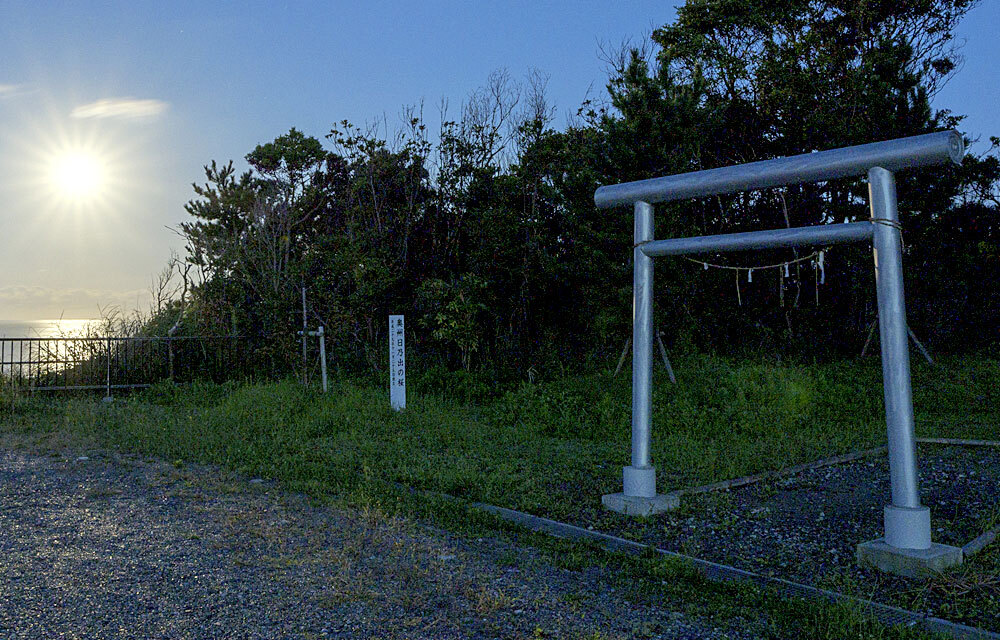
x=106 y=546
x=805 y=527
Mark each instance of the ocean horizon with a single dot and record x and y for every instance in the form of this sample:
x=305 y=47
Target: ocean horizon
x=45 y=328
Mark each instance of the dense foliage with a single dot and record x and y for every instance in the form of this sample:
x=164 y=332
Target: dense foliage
x=486 y=236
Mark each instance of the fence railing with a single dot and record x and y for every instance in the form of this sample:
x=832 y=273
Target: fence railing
x=62 y=364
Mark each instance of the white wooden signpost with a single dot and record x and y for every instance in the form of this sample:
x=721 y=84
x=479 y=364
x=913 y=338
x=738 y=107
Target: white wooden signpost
x=397 y=363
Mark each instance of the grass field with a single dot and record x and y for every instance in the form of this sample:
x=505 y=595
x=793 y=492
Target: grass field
x=549 y=449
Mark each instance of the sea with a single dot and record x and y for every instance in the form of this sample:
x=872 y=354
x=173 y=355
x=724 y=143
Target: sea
x=48 y=328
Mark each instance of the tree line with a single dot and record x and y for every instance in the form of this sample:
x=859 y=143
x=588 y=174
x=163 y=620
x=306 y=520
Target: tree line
x=485 y=235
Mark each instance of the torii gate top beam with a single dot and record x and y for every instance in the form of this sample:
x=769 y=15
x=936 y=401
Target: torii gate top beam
x=903 y=153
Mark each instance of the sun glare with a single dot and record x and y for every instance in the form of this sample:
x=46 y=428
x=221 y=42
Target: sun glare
x=69 y=172
x=77 y=176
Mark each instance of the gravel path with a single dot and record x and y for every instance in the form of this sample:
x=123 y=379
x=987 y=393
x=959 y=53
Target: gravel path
x=806 y=525
x=106 y=546
x=805 y=528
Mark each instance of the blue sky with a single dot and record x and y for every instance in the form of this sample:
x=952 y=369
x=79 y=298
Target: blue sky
x=210 y=80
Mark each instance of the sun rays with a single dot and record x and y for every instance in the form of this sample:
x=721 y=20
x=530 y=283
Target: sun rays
x=72 y=172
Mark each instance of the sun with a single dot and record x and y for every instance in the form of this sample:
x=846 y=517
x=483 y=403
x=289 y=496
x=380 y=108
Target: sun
x=77 y=176
x=74 y=171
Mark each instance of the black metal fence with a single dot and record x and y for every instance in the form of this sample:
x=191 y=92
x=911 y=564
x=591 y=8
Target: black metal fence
x=62 y=364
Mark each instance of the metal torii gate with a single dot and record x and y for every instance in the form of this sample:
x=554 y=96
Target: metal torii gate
x=906 y=547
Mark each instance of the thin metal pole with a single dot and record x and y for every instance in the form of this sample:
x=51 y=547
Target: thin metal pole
x=893 y=335
x=322 y=355
x=305 y=329
x=642 y=336
x=920 y=346
x=666 y=360
x=109 y=370
x=871 y=334
x=913 y=337
x=621 y=360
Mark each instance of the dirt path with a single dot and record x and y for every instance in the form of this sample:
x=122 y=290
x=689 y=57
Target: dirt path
x=104 y=546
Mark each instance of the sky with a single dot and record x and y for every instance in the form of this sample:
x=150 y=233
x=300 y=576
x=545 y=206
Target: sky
x=155 y=90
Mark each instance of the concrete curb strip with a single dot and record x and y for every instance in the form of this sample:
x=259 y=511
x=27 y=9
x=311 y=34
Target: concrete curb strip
x=980 y=542
x=819 y=464
x=971 y=548
x=885 y=614
x=959 y=442
x=780 y=473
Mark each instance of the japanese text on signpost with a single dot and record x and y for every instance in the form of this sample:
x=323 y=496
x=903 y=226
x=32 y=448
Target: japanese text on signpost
x=397 y=363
